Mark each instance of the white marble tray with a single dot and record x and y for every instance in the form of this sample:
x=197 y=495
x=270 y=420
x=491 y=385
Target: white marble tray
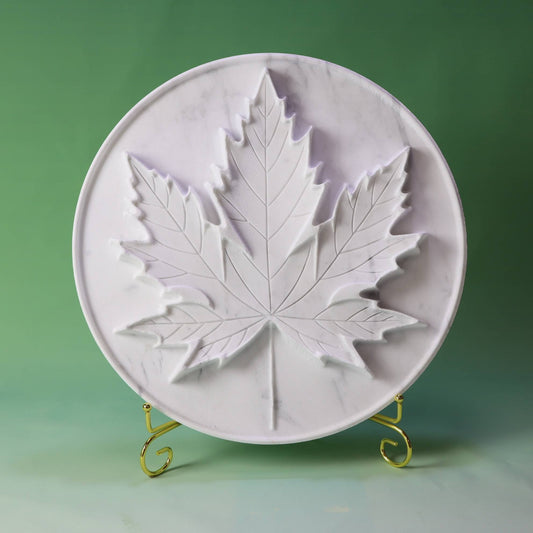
x=268 y=248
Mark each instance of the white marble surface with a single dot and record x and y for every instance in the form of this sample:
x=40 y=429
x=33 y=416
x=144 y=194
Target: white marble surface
x=274 y=386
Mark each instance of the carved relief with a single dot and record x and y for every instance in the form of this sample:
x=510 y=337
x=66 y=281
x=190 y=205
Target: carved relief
x=266 y=264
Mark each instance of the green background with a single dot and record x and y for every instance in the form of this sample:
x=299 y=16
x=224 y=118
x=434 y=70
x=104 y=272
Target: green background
x=72 y=429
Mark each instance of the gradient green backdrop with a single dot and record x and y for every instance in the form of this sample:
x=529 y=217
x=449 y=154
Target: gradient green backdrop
x=72 y=429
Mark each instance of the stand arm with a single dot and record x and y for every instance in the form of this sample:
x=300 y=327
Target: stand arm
x=391 y=423
x=156 y=432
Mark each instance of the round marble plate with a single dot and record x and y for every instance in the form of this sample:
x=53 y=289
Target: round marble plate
x=268 y=248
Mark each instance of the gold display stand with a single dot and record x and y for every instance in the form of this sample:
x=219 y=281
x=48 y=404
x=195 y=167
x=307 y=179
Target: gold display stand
x=380 y=419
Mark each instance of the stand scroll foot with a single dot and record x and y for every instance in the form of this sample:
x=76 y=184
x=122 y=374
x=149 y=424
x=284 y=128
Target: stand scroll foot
x=391 y=423
x=156 y=432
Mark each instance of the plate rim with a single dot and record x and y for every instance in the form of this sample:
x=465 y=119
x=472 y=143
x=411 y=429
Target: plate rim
x=90 y=179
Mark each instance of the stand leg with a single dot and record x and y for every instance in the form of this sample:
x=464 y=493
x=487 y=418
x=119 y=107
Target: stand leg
x=156 y=432
x=391 y=423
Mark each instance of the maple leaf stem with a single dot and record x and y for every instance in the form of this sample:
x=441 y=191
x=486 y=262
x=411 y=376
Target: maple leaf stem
x=272 y=377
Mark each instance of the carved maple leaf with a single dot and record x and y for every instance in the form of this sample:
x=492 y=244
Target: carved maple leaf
x=266 y=262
